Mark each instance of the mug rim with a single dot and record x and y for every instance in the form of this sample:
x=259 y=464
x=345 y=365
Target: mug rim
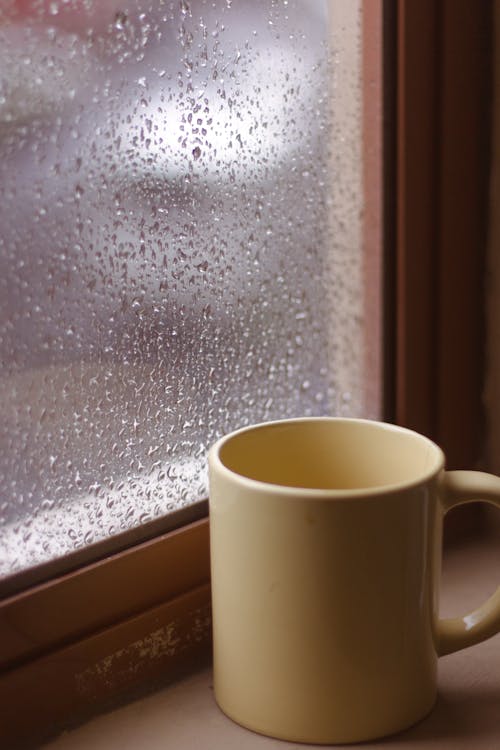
x=215 y=462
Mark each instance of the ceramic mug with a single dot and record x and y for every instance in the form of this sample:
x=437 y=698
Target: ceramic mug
x=326 y=541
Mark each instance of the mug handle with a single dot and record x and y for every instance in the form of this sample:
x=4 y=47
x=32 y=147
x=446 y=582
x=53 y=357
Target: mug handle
x=459 y=487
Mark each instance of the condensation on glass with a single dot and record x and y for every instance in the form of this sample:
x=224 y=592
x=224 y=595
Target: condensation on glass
x=179 y=246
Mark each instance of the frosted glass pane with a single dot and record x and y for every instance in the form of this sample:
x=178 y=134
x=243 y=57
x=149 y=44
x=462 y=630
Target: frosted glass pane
x=179 y=245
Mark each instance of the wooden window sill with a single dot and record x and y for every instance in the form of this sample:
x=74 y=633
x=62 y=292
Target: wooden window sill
x=467 y=713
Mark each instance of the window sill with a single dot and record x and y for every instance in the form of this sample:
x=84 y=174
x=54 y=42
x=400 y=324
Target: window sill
x=185 y=715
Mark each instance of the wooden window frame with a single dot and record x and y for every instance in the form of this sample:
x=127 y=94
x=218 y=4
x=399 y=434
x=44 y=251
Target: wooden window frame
x=85 y=640
x=442 y=178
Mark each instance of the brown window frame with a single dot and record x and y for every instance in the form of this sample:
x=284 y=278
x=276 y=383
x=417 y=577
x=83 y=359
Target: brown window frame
x=442 y=178
x=84 y=640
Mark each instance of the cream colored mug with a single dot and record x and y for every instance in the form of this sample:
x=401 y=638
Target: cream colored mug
x=326 y=541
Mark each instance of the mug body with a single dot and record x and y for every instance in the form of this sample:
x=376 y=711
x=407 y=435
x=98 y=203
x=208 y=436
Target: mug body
x=325 y=555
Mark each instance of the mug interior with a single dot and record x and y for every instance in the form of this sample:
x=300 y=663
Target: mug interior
x=330 y=454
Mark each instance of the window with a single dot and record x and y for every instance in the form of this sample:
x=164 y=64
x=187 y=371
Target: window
x=81 y=630
x=181 y=247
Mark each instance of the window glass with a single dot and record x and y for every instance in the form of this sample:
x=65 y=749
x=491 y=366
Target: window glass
x=180 y=248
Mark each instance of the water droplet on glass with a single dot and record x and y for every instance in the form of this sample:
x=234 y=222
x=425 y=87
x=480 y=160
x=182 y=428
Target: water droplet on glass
x=120 y=20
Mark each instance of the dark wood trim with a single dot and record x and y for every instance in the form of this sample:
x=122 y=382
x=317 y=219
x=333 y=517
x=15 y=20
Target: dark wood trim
x=389 y=183
x=465 y=131
x=444 y=63
x=417 y=212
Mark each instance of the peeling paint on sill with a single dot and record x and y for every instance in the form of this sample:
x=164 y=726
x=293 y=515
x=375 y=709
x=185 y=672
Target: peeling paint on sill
x=160 y=645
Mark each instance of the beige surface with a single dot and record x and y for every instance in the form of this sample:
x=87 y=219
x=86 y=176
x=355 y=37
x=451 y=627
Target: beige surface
x=467 y=714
